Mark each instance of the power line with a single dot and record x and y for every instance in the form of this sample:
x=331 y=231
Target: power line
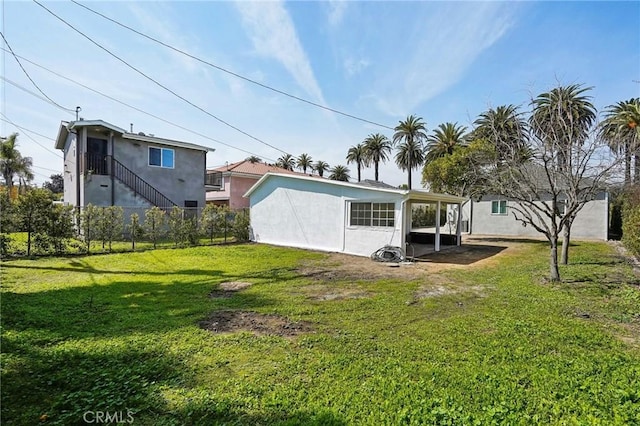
x=175 y=49
x=157 y=82
x=7 y=120
x=49 y=170
x=24 y=89
x=29 y=77
x=139 y=110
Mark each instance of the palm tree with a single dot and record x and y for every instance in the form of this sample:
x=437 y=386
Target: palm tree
x=286 y=162
x=410 y=133
x=562 y=118
x=621 y=130
x=340 y=173
x=357 y=154
x=444 y=140
x=253 y=159
x=321 y=167
x=377 y=148
x=506 y=129
x=304 y=162
x=12 y=163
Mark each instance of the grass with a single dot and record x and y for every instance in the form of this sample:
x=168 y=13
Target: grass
x=120 y=332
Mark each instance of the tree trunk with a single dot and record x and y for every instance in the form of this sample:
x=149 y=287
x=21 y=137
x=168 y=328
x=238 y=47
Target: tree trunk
x=376 y=171
x=627 y=165
x=358 y=172
x=409 y=180
x=553 y=260
x=566 y=240
x=636 y=168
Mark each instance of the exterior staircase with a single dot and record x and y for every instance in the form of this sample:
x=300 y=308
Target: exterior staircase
x=108 y=165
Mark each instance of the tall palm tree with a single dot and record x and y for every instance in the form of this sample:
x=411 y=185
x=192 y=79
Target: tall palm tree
x=304 y=162
x=321 y=167
x=286 y=161
x=340 y=173
x=377 y=149
x=621 y=130
x=506 y=129
x=445 y=138
x=409 y=134
x=357 y=154
x=12 y=163
x=562 y=118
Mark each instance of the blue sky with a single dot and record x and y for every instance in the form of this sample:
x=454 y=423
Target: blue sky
x=381 y=61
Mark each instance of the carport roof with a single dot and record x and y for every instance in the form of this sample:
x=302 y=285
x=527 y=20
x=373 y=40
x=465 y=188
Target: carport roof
x=411 y=195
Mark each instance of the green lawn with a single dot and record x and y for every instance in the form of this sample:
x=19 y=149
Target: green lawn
x=120 y=332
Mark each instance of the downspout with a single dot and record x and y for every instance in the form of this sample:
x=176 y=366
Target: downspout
x=77 y=180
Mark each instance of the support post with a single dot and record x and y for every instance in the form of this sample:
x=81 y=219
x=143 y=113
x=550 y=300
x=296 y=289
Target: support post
x=459 y=226
x=437 y=239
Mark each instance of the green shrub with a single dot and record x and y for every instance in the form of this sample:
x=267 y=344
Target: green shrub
x=240 y=228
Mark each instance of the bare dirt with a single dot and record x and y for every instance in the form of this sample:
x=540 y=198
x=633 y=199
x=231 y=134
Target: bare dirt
x=261 y=324
x=227 y=289
x=473 y=253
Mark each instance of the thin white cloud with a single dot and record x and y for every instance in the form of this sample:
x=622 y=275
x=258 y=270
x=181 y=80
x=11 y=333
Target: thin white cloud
x=273 y=34
x=442 y=49
x=355 y=66
x=154 y=21
x=337 y=9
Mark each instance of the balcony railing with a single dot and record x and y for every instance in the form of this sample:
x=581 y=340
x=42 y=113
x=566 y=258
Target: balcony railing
x=213 y=180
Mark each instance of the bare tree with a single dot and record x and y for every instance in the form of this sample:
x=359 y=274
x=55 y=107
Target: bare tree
x=550 y=188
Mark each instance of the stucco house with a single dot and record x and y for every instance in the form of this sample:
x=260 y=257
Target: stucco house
x=105 y=165
x=232 y=181
x=321 y=214
x=491 y=216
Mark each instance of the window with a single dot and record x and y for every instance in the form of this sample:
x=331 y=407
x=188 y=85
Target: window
x=372 y=214
x=561 y=208
x=499 y=207
x=161 y=157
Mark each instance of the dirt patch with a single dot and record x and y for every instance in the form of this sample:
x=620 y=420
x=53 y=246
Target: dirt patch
x=227 y=289
x=475 y=252
x=428 y=291
x=325 y=292
x=261 y=324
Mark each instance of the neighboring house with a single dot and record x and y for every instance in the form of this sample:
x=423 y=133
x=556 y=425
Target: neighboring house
x=492 y=216
x=104 y=165
x=234 y=180
x=321 y=214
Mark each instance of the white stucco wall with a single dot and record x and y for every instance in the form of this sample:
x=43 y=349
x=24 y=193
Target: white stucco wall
x=315 y=215
x=591 y=222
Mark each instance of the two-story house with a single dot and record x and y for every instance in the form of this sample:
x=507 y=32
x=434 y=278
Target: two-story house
x=232 y=181
x=105 y=165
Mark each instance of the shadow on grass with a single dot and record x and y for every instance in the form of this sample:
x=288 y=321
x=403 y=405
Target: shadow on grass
x=67 y=385
x=463 y=255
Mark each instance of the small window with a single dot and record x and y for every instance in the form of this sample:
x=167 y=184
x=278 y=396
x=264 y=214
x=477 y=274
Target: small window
x=372 y=214
x=499 y=207
x=561 y=208
x=161 y=157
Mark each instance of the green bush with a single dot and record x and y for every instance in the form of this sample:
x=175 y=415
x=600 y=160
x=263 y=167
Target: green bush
x=240 y=228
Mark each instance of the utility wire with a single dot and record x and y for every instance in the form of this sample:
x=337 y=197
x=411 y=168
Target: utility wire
x=186 y=129
x=29 y=77
x=157 y=82
x=24 y=89
x=175 y=49
x=7 y=120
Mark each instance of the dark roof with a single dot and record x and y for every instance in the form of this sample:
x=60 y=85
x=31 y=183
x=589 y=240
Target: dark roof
x=375 y=184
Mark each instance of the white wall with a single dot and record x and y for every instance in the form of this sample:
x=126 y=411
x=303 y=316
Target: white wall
x=591 y=222
x=314 y=215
